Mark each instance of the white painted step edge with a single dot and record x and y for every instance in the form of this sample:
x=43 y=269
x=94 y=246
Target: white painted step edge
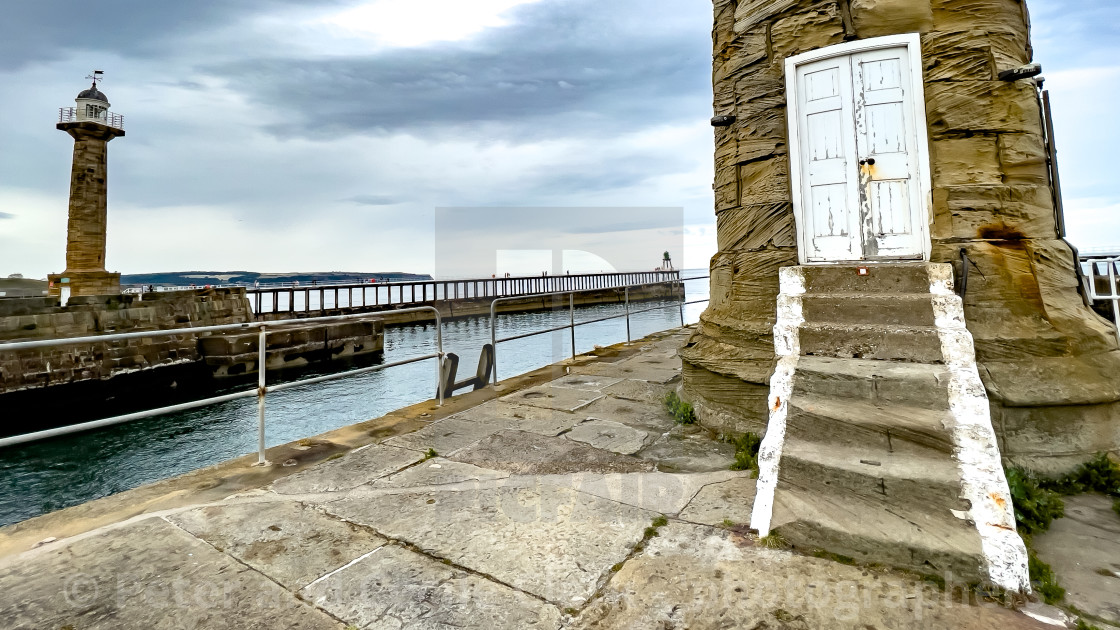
x=787 y=347
x=983 y=482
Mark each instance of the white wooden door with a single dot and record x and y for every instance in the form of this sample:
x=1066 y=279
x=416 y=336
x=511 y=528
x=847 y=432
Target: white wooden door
x=861 y=197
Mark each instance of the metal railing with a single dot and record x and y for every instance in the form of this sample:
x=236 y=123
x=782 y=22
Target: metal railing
x=72 y=114
x=299 y=298
x=572 y=323
x=1100 y=283
x=260 y=391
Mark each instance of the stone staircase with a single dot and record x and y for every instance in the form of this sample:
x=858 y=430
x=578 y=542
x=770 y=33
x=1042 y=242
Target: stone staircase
x=879 y=445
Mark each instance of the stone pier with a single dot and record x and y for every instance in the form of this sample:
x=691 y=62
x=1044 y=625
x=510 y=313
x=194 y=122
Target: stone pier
x=566 y=498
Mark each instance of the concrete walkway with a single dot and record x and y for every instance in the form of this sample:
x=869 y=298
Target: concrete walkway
x=576 y=503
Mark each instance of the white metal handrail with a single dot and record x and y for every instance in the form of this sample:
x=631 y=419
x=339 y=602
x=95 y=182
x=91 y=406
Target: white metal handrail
x=71 y=114
x=1103 y=271
x=261 y=390
x=572 y=323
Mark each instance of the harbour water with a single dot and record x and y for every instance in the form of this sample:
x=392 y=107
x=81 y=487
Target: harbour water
x=46 y=476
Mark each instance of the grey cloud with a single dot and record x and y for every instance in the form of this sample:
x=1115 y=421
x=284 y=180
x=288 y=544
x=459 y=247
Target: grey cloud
x=7 y=215
x=563 y=68
x=557 y=220
x=47 y=30
x=374 y=200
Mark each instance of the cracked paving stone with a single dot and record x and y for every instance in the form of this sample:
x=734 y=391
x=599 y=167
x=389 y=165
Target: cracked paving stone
x=639 y=391
x=550 y=541
x=730 y=500
x=288 y=541
x=452 y=433
x=549 y=397
x=1084 y=550
x=611 y=436
x=632 y=413
x=349 y=471
x=149 y=574
x=585 y=382
x=666 y=493
x=522 y=417
x=524 y=453
x=437 y=471
x=701 y=578
x=394 y=588
x=689 y=453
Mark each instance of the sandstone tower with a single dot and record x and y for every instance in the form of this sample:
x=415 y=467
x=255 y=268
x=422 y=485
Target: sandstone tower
x=868 y=155
x=92 y=126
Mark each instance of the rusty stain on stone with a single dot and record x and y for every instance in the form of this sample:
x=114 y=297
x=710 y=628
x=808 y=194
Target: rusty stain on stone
x=1000 y=232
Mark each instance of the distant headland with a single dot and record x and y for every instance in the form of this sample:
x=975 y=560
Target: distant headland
x=250 y=278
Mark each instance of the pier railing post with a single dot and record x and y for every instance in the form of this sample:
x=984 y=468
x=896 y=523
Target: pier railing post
x=572 y=320
x=440 y=359
x=262 y=344
x=684 y=296
x=494 y=338
x=626 y=294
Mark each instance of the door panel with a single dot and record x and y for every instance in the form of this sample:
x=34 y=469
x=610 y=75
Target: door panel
x=858 y=158
x=828 y=159
x=887 y=150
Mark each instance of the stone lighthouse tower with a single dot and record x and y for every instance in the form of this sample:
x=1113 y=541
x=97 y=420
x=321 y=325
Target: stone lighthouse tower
x=893 y=304
x=92 y=126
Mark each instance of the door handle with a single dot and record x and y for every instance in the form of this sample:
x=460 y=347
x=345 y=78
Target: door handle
x=868 y=161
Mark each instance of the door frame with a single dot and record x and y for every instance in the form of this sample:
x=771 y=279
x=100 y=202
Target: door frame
x=913 y=44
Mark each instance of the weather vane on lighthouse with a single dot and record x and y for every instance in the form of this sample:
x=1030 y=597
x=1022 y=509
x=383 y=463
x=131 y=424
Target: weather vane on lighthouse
x=96 y=76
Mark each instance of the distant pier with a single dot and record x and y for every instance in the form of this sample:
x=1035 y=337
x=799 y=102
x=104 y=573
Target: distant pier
x=463 y=297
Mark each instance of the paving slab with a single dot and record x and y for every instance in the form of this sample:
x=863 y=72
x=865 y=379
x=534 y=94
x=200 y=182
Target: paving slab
x=290 y=542
x=523 y=417
x=452 y=433
x=438 y=471
x=146 y=575
x=523 y=453
x=1083 y=548
x=689 y=453
x=717 y=503
x=611 y=436
x=666 y=493
x=634 y=370
x=650 y=416
x=640 y=391
x=549 y=397
x=395 y=588
x=585 y=382
x=702 y=578
x=550 y=541
x=349 y=471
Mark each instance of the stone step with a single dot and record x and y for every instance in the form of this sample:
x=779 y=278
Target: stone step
x=918 y=344
x=925 y=541
x=876 y=431
x=925 y=481
x=880 y=278
x=878 y=382
x=903 y=309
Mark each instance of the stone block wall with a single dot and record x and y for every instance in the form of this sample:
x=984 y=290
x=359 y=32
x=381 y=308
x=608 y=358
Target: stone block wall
x=1047 y=360
x=44 y=318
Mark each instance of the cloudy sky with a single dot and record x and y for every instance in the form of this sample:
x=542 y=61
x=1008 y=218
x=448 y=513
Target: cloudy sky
x=299 y=135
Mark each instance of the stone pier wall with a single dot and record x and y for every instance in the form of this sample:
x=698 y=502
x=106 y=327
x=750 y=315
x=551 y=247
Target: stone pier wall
x=1047 y=360
x=43 y=318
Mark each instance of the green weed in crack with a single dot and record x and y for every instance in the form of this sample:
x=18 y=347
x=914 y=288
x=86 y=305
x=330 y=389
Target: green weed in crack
x=682 y=412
